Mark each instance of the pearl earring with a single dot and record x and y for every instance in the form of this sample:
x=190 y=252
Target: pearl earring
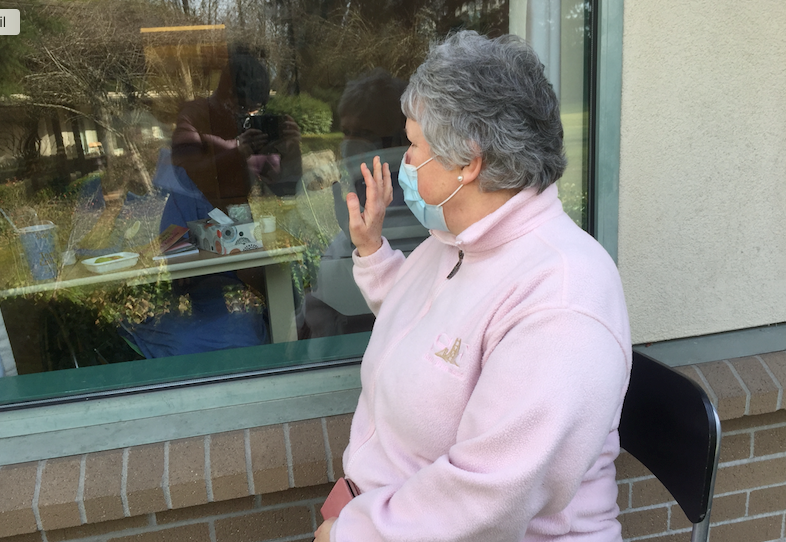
x=461 y=178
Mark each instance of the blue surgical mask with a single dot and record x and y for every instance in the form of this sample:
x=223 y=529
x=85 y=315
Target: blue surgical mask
x=431 y=216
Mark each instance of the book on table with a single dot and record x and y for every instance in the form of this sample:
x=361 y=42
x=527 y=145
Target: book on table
x=172 y=242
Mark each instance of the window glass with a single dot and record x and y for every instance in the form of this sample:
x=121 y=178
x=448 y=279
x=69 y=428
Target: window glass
x=125 y=126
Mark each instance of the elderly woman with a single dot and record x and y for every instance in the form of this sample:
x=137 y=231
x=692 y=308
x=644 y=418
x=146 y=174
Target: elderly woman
x=494 y=378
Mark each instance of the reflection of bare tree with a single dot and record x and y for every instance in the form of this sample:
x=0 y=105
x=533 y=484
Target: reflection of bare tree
x=88 y=70
x=100 y=68
x=320 y=44
x=94 y=69
x=354 y=46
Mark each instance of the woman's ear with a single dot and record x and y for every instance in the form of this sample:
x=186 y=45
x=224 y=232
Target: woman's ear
x=471 y=171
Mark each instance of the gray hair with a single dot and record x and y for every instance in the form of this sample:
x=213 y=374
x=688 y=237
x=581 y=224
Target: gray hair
x=489 y=98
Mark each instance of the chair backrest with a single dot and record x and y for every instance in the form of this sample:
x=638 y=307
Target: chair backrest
x=669 y=424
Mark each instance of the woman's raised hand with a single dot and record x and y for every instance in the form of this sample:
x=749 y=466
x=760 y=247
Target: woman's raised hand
x=365 y=228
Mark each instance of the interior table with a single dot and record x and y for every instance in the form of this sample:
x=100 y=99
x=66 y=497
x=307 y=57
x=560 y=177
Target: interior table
x=278 y=279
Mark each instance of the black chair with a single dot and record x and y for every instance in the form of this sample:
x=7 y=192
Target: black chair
x=669 y=424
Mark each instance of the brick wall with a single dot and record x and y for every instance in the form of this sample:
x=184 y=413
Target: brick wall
x=267 y=483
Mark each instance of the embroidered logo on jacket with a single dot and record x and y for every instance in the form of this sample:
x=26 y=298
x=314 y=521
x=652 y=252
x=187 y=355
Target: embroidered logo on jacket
x=450 y=355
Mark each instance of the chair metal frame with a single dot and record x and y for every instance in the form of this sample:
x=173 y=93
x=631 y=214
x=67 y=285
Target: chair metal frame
x=670 y=425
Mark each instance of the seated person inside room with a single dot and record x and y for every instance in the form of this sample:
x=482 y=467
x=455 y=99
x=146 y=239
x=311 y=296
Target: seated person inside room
x=373 y=125
x=228 y=146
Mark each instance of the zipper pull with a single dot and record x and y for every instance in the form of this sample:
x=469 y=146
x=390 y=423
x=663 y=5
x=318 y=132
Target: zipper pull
x=458 y=264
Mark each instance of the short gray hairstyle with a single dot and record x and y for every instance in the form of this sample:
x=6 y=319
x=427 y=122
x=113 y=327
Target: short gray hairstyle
x=474 y=96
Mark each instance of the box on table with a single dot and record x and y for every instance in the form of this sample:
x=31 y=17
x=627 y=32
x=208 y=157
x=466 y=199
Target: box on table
x=224 y=239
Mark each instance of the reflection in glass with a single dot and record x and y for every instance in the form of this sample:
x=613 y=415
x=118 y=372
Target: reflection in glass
x=117 y=125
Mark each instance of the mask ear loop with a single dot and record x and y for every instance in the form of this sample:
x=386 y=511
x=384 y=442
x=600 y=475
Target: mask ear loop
x=424 y=163
x=450 y=196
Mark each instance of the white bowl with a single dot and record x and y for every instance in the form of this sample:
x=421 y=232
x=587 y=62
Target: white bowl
x=118 y=260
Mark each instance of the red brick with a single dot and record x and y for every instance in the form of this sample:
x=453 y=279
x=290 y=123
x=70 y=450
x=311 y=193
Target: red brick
x=769 y=441
x=731 y=395
x=735 y=447
x=752 y=530
x=265 y=525
x=776 y=361
x=296 y=494
x=16 y=499
x=187 y=472
x=771 y=499
x=753 y=422
x=57 y=504
x=644 y=522
x=144 y=484
x=269 y=459
x=309 y=463
x=338 y=438
x=649 y=492
x=764 y=392
x=677 y=537
x=199 y=532
x=204 y=511
x=31 y=537
x=751 y=475
x=228 y=466
x=97 y=529
x=102 y=491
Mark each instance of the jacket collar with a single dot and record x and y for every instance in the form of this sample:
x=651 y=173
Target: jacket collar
x=518 y=216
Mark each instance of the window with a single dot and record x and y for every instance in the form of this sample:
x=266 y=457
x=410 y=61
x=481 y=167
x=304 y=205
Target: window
x=121 y=130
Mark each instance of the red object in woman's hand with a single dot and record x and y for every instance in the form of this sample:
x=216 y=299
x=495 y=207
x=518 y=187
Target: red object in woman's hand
x=343 y=492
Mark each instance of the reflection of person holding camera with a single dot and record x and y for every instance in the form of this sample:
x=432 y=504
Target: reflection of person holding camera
x=226 y=147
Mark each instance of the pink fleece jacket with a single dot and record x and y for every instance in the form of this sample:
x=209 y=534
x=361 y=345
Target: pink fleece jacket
x=490 y=400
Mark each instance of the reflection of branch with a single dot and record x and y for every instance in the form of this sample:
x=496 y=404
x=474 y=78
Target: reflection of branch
x=57 y=62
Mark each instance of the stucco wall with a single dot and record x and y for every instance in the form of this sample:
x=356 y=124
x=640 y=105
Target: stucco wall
x=702 y=224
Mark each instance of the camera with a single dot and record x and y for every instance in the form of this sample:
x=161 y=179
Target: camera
x=268 y=124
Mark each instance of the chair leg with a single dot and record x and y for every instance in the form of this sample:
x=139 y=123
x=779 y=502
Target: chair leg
x=701 y=530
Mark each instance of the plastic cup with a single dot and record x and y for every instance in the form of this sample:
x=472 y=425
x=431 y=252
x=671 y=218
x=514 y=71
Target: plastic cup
x=39 y=244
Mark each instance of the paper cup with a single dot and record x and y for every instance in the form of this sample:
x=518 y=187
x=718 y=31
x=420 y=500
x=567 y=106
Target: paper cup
x=39 y=244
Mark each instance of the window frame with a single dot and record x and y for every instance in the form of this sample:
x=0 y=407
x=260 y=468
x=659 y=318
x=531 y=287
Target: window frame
x=605 y=122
